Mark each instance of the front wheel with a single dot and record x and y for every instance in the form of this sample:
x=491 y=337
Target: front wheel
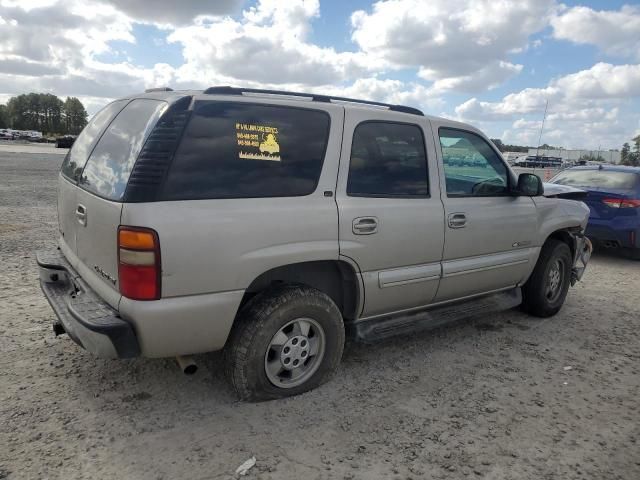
x=545 y=291
x=286 y=341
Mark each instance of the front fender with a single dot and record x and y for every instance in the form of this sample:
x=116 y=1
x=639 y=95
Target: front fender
x=556 y=214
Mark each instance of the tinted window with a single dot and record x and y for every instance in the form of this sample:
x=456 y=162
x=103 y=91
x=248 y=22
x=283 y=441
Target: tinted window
x=387 y=159
x=471 y=166
x=107 y=171
x=77 y=157
x=597 y=179
x=243 y=150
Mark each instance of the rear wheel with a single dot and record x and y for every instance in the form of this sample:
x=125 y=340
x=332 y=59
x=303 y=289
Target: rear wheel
x=545 y=291
x=286 y=341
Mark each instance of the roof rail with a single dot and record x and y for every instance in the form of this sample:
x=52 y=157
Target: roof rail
x=227 y=90
x=158 y=89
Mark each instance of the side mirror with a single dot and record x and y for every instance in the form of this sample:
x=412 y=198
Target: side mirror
x=529 y=185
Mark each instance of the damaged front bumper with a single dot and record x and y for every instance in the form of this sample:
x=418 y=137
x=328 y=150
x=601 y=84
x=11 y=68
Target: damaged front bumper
x=581 y=257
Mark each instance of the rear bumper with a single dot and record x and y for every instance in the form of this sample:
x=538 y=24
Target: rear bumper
x=86 y=318
x=604 y=232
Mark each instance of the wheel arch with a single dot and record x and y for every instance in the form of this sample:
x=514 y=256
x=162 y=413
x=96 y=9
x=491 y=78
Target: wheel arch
x=565 y=235
x=336 y=278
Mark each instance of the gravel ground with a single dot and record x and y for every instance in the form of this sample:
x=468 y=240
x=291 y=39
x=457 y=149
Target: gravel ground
x=26 y=147
x=506 y=397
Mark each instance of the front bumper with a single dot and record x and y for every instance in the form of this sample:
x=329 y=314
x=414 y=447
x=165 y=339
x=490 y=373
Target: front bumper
x=582 y=255
x=87 y=319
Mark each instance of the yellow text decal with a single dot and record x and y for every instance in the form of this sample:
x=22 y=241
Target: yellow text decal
x=257 y=142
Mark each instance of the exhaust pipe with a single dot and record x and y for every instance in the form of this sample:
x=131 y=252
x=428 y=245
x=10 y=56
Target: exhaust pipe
x=187 y=364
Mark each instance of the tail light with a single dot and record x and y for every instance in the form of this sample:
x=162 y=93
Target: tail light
x=621 y=202
x=139 y=271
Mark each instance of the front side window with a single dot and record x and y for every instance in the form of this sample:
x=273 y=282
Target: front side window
x=388 y=159
x=109 y=166
x=77 y=157
x=245 y=150
x=471 y=167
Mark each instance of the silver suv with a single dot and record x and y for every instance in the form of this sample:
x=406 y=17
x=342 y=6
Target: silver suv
x=273 y=224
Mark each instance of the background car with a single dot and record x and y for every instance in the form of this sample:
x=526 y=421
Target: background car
x=614 y=200
x=65 y=141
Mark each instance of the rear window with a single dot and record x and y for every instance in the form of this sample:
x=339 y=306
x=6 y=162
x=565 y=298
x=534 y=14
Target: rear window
x=243 y=150
x=597 y=179
x=109 y=166
x=77 y=157
x=387 y=159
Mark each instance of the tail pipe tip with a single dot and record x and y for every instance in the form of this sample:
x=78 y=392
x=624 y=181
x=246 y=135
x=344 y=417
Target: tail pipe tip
x=187 y=364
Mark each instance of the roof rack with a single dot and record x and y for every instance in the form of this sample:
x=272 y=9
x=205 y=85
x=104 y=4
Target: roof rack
x=227 y=90
x=158 y=89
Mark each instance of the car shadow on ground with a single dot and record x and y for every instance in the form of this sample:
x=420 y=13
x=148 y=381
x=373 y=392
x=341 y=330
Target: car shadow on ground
x=159 y=384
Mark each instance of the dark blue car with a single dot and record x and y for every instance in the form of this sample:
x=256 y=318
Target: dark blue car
x=613 y=196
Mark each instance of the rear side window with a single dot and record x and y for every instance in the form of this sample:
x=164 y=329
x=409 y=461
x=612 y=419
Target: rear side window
x=77 y=157
x=109 y=166
x=597 y=179
x=387 y=159
x=243 y=150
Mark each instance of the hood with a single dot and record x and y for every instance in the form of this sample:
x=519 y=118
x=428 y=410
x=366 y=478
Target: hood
x=555 y=190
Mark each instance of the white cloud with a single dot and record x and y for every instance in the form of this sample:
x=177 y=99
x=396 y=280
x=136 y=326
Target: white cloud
x=586 y=108
x=389 y=91
x=175 y=13
x=602 y=81
x=52 y=47
x=268 y=46
x=614 y=32
x=461 y=44
x=486 y=78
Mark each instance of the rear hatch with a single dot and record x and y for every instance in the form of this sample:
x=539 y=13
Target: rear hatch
x=90 y=202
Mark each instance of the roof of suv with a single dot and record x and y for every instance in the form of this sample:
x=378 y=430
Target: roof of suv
x=165 y=92
x=168 y=94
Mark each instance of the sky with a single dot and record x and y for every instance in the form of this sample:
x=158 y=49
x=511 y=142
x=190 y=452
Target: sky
x=492 y=63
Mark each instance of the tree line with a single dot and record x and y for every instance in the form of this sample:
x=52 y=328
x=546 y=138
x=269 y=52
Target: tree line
x=518 y=148
x=45 y=113
x=628 y=156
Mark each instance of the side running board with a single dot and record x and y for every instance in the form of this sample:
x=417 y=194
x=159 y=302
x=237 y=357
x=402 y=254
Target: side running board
x=380 y=328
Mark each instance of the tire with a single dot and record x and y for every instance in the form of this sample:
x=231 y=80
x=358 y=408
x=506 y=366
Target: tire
x=538 y=296
x=252 y=360
x=632 y=253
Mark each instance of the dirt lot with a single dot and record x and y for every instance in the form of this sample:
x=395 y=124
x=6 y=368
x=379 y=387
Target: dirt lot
x=507 y=397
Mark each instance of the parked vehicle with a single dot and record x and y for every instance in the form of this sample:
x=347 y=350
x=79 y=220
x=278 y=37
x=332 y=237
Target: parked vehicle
x=272 y=224
x=539 y=161
x=66 y=141
x=614 y=200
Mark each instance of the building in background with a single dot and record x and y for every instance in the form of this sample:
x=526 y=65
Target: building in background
x=512 y=157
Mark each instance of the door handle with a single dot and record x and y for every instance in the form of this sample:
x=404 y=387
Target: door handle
x=457 y=220
x=365 y=225
x=81 y=215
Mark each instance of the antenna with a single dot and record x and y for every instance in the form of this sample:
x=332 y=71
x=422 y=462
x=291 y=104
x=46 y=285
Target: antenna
x=542 y=128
